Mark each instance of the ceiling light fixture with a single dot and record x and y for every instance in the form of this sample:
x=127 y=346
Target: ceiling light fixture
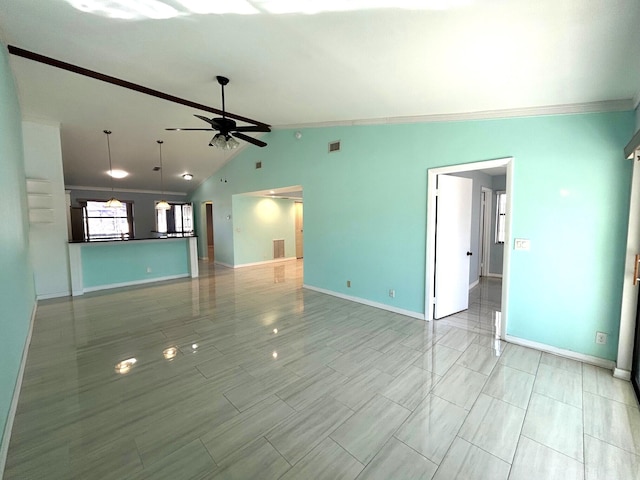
x=113 y=202
x=187 y=176
x=118 y=173
x=162 y=204
x=225 y=142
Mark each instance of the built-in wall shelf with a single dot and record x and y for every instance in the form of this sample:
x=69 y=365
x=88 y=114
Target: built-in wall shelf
x=39 y=199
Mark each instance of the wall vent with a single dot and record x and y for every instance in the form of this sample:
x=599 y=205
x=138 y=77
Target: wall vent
x=278 y=248
x=258 y=165
x=334 y=146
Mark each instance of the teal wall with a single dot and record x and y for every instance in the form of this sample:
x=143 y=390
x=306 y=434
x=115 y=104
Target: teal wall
x=17 y=292
x=257 y=221
x=365 y=212
x=124 y=262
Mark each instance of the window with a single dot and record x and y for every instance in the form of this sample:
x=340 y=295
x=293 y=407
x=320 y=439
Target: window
x=178 y=219
x=107 y=223
x=501 y=215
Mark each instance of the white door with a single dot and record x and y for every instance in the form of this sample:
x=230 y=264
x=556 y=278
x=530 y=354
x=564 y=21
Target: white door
x=453 y=242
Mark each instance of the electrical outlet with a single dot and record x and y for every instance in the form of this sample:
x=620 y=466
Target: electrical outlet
x=148 y=269
x=348 y=283
x=392 y=293
x=601 y=338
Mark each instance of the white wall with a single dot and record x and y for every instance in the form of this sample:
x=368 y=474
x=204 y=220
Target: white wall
x=48 y=241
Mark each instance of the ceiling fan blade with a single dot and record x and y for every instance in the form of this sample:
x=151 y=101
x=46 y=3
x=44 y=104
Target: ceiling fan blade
x=247 y=138
x=196 y=129
x=252 y=128
x=210 y=121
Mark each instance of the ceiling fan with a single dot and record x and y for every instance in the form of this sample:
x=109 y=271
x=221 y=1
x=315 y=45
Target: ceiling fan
x=227 y=127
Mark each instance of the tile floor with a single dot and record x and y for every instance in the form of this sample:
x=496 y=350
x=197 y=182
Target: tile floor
x=243 y=374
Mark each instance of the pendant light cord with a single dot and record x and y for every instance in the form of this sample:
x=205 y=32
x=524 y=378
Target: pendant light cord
x=108 y=132
x=160 y=142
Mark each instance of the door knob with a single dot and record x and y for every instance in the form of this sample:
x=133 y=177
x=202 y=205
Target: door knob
x=469 y=254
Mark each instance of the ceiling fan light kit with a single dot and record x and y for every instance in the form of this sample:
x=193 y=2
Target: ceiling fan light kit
x=227 y=128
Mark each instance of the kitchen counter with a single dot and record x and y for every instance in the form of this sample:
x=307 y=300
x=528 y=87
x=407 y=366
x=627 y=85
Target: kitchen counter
x=103 y=264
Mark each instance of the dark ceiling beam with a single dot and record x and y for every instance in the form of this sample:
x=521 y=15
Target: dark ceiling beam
x=123 y=83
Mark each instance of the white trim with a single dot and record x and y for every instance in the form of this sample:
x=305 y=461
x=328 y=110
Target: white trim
x=6 y=436
x=494 y=275
x=223 y=264
x=48 y=296
x=485 y=237
x=622 y=374
x=203 y=258
x=590 y=107
x=135 y=282
x=193 y=257
x=636 y=100
x=124 y=190
x=629 y=302
x=432 y=175
x=474 y=284
x=581 y=357
x=40 y=120
x=364 y=301
x=75 y=268
x=275 y=260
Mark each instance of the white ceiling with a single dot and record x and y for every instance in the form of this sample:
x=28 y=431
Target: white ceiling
x=356 y=60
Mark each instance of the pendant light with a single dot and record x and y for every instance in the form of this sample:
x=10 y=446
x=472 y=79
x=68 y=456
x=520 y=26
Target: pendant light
x=162 y=204
x=113 y=202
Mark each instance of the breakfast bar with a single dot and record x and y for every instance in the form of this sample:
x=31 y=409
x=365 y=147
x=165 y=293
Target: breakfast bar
x=111 y=264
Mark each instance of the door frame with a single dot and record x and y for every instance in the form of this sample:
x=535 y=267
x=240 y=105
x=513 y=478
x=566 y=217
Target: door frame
x=485 y=232
x=432 y=175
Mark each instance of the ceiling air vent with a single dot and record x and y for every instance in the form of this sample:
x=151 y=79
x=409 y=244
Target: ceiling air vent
x=334 y=146
x=258 y=165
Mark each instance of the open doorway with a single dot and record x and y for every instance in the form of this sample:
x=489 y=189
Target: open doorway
x=268 y=226
x=466 y=258
x=209 y=221
x=299 y=226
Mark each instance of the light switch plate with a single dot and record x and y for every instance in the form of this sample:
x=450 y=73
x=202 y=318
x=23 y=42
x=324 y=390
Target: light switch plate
x=522 y=244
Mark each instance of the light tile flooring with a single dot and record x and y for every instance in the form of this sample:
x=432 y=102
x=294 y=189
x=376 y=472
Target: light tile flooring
x=243 y=374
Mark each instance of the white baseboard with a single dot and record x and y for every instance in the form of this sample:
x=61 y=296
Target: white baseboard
x=275 y=260
x=203 y=258
x=581 y=357
x=495 y=275
x=54 y=295
x=135 y=282
x=6 y=436
x=474 y=284
x=622 y=374
x=223 y=264
x=408 y=313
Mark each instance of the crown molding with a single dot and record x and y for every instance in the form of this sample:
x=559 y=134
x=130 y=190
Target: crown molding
x=40 y=120
x=123 y=190
x=636 y=100
x=591 y=107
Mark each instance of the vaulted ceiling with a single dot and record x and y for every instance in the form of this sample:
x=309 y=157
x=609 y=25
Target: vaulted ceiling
x=295 y=63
